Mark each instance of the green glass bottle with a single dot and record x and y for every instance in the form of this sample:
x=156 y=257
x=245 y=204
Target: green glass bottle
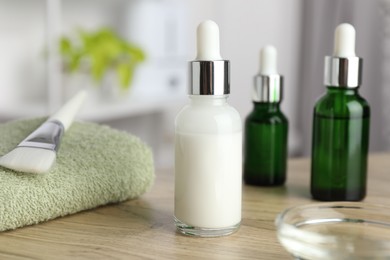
x=265 y=145
x=266 y=127
x=341 y=123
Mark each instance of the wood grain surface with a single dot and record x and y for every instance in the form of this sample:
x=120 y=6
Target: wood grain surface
x=144 y=229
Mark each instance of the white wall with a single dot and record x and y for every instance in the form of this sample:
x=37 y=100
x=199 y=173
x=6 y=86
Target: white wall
x=22 y=41
x=246 y=25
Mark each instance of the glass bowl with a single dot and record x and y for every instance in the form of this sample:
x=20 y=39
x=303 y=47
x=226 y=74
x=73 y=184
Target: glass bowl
x=336 y=230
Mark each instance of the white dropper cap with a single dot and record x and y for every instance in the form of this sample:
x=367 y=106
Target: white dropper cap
x=268 y=60
x=208 y=41
x=209 y=73
x=343 y=69
x=268 y=85
x=344 y=41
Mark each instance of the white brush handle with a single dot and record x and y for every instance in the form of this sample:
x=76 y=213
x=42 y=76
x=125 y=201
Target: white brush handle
x=68 y=111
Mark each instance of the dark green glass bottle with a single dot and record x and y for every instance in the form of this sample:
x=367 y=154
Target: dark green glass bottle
x=341 y=123
x=265 y=145
x=340 y=145
x=266 y=128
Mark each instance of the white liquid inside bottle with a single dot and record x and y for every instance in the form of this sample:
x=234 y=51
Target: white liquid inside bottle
x=208 y=167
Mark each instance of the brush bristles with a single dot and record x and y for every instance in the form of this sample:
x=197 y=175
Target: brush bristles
x=29 y=159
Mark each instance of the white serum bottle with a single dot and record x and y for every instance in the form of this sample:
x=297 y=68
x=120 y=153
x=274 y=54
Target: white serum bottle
x=208 y=146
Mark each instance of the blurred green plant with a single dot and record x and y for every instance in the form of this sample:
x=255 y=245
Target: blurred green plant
x=99 y=52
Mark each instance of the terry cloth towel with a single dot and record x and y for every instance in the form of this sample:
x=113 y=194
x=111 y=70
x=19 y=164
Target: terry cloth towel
x=95 y=165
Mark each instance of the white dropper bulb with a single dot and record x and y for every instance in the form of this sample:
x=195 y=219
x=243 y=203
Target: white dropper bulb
x=208 y=41
x=268 y=60
x=344 y=41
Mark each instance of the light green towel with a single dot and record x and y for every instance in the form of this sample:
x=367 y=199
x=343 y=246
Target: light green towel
x=95 y=165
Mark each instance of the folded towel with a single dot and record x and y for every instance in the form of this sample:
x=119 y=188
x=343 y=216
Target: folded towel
x=95 y=165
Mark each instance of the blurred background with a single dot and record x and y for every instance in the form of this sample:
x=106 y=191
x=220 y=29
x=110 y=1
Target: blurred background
x=131 y=55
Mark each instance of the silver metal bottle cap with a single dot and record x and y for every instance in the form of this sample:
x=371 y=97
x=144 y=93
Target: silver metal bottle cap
x=209 y=77
x=268 y=88
x=343 y=72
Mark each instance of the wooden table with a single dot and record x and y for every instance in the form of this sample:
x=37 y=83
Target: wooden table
x=144 y=229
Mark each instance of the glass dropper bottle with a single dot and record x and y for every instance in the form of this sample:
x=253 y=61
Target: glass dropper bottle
x=266 y=127
x=341 y=123
x=208 y=146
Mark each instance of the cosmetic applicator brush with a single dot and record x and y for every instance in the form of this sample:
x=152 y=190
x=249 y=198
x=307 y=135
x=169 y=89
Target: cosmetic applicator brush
x=37 y=152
